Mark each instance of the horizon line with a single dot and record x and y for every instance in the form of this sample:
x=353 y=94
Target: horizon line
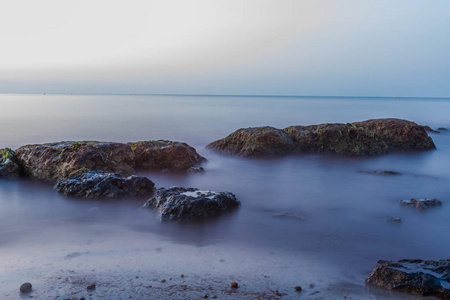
x=220 y=95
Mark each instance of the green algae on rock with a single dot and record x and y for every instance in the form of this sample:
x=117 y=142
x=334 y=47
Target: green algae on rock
x=9 y=166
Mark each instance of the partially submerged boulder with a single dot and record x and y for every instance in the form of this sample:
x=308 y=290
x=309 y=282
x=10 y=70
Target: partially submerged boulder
x=100 y=184
x=339 y=138
x=397 y=133
x=420 y=204
x=165 y=155
x=370 y=137
x=9 y=165
x=58 y=161
x=180 y=203
x=256 y=141
x=423 y=277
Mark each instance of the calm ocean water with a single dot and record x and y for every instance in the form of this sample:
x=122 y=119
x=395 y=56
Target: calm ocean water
x=309 y=220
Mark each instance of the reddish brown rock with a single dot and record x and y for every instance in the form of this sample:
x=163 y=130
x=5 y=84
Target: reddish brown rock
x=56 y=161
x=164 y=154
x=256 y=141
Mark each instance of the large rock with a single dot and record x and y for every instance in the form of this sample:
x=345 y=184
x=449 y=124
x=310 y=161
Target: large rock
x=356 y=139
x=180 y=203
x=426 y=278
x=100 y=184
x=399 y=133
x=57 y=161
x=9 y=165
x=339 y=138
x=165 y=155
x=256 y=141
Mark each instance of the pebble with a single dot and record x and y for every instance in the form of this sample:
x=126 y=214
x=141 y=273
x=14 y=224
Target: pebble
x=91 y=286
x=234 y=285
x=26 y=287
x=298 y=288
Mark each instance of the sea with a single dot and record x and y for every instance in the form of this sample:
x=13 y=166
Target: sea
x=312 y=220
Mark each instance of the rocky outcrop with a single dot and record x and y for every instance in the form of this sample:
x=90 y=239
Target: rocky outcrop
x=58 y=161
x=420 y=204
x=165 y=155
x=180 y=203
x=423 y=277
x=100 y=184
x=397 y=133
x=9 y=166
x=256 y=141
x=339 y=138
x=376 y=172
x=356 y=139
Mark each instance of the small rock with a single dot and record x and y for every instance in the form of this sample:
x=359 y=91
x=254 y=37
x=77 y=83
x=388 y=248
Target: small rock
x=91 y=286
x=196 y=170
x=442 y=129
x=298 y=288
x=205 y=297
x=381 y=172
x=182 y=275
x=26 y=287
x=420 y=204
x=393 y=220
x=163 y=280
x=234 y=285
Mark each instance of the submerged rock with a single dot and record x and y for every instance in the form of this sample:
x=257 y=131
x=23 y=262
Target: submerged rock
x=100 y=184
x=58 y=161
x=429 y=129
x=423 y=277
x=165 y=155
x=180 y=203
x=442 y=129
x=393 y=220
x=9 y=165
x=375 y=172
x=369 y=137
x=420 y=204
x=256 y=141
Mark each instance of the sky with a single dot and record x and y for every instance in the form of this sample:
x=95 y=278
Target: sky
x=254 y=47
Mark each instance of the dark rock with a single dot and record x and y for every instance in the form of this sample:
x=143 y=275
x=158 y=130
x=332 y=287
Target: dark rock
x=375 y=172
x=399 y=133
x=196 y=170
x=339 y=138
x=100 y=184
x=180 y=203
x=442 y=129
x=429 y=129
x=9 y=165
x=57 y=161
x=393 y=220
x=25 y=287
x=420 y=204
x=234 y=285
x=298 y=288
x=370 y=137
x=164 y=154
x=91 y=286
x=426 y=278
x=256 y=141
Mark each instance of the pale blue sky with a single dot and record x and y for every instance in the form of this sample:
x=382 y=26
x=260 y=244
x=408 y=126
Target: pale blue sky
x=263 y=47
